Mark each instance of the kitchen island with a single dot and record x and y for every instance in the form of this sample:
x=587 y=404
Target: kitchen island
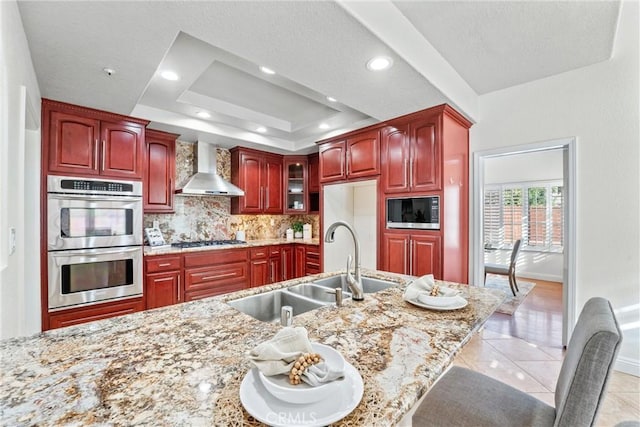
x=183 y=364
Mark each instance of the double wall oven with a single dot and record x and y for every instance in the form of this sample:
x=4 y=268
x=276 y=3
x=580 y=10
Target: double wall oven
x=94 y=241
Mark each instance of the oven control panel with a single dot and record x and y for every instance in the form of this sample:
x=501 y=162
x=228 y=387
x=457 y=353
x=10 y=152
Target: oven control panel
x=105 y=186
x=78 y=185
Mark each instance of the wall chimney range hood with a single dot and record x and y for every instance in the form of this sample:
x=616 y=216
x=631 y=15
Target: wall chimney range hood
x=206 y=181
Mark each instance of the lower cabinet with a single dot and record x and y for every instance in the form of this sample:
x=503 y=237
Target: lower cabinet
x=275 y=264
x=163 y=284
x=300 y=255
x=259 y=266
x=288 y=262
x=211 y=273
x=312 y=260
x=94 y=312
x=414 y=254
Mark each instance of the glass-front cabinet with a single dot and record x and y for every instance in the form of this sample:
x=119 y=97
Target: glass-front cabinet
x=295 y=175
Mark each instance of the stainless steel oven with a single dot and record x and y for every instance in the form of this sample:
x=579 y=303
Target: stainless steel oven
x=88 y=276
x=94 y=240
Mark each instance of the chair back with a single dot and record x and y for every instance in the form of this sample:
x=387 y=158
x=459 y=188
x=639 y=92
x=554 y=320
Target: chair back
x=514 y=253
x=587 y=365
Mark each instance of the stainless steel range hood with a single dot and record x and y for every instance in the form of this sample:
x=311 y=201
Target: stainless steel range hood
x=206 y=181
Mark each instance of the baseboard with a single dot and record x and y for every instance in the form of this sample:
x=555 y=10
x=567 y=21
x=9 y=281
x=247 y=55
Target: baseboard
x=628 y=366
x=539 y=276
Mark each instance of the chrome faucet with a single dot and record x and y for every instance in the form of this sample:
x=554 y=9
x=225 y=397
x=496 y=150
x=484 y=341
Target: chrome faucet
x=355 y=283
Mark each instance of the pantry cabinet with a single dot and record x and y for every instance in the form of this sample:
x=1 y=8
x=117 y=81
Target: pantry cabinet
x=159 y=173
x=259 y=175
x=356 y=156
x=81 y=141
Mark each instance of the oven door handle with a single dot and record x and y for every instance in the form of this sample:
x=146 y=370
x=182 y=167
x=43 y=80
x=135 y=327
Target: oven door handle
x=100 y=251
x=96 y=197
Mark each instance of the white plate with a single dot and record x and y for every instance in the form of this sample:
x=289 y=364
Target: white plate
x=462 y=304
x=272 y=411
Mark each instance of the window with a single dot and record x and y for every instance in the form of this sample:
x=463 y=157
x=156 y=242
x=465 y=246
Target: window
x=533 y=212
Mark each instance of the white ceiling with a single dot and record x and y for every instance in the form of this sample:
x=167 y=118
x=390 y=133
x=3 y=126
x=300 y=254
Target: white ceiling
x=445 y=51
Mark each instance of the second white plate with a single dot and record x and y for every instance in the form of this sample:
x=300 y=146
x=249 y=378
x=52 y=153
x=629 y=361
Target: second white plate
x=462 y=304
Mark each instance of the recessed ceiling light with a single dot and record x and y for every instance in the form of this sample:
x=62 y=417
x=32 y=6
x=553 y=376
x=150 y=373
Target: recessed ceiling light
x=109 y=71
x=331 y=99
x=203 y=114
x=261 y=129
x=323 y=126
x=379 y=63
x=169 y=75
x=266 y=70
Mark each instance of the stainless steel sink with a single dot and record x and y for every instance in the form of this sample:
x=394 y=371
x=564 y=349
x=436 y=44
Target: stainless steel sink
x=315 y=292
x=266 y=307
x=369 y=284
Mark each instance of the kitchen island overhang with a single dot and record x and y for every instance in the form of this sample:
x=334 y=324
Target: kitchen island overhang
x=183 y=364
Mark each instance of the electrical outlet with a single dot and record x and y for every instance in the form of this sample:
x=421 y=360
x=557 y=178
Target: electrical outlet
x=273 y=222
x=12 y=240
x=156 y=224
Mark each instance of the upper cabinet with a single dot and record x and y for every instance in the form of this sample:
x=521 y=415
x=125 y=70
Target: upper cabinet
x=411 y=157
x=259 y=175
x=82 y=141
x=357 y=156
x=159 y=171
x=295 y=184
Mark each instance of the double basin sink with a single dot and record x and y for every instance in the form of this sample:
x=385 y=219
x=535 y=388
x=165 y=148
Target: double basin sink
x=301 y=298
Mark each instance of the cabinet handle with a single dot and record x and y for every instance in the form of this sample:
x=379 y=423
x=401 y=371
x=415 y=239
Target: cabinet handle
x=404 y=264
x=178 y=293
x=411 y=173
x=284 y=268
x=166 y=279
x=348 y=159
x=266 y=197
x=96 y=153
x=164 y=265
x=104 y=155
x=218 y=276
x=410 y=257
x=260 y=198
x=406 y=171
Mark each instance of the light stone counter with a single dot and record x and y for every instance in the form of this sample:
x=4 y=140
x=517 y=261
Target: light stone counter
x=182 y=365
x=148 y=250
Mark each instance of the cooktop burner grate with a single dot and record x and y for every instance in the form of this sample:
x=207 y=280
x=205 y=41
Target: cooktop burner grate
x=201 y=243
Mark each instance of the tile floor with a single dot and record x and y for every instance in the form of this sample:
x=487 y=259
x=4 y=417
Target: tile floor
x=525 y=351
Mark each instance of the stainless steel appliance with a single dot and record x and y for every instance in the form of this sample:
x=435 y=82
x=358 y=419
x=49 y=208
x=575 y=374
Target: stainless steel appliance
x=94 y=239
x=201 y=243
x=414 y=212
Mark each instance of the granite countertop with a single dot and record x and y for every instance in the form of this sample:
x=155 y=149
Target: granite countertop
x=183 y=364
x=166 y=250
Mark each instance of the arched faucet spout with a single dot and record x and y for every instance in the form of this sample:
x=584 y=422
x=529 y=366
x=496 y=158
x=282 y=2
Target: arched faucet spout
x=355 y=283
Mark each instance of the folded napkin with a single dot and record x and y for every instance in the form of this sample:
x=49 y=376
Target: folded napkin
x=420 y=289
x=279 y=354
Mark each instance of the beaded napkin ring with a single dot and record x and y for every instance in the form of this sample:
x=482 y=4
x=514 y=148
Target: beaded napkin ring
x=304 y=361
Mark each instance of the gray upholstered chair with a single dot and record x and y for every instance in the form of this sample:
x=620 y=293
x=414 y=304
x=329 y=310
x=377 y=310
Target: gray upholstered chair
x=506 y=270
x=467 y=398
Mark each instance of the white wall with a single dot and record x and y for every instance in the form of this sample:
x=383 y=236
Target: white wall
x=527 y=167
x=599 y=106
x=354 y=203
x=19 y=179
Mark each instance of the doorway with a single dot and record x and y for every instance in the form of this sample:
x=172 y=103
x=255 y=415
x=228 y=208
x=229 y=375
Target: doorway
x=565 y=149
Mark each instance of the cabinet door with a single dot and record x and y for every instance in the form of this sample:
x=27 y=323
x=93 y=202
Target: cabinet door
x=251 y=177
x=425 y=256
x=312 y=264
x=396 y=253
x=121 y=150
x=272 y=193
x=363 y=155
x=275 y=269
x=259 y=273
x=162 y=289
x=288 y=262
x=159 y=172
x=395 y=159
x=295 y=185
x=425 y=156
x=73 y=144
x=313 y=173
x=332 y=161
x=300 y=261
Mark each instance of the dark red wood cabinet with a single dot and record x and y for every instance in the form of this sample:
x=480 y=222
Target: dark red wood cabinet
x=60 y=319
x=211 y=273
x=295 y=185
x=159 y=173
x=259 y=175
x=163 y=281
x=356 y=156
x=413 y=254
x=288 y=262
x=81 y=141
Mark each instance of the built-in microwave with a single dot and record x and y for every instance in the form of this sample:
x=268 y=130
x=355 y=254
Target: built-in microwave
x=414 y=212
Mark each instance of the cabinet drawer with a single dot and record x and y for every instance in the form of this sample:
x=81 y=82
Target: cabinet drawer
x=97 y=312
x=200 y=278
x=258 y=253
x=211 y=292
x=208 y=258
x=157 y=264
x=275 y=251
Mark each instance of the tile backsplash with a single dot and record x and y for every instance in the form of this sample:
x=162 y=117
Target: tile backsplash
x=209 y=217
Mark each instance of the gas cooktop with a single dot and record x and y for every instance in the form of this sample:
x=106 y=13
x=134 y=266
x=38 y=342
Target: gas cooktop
x=201 y=243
